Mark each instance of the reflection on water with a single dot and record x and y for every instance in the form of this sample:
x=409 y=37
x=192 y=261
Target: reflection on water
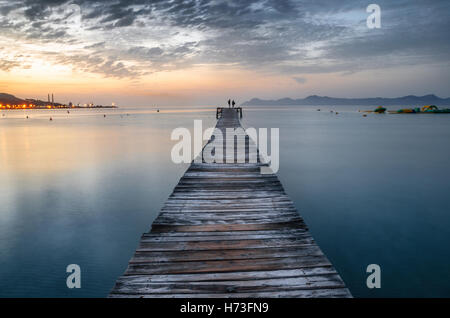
x=82 y=188
x=372 y=190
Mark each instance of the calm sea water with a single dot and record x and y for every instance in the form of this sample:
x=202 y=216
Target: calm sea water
x=83 y=188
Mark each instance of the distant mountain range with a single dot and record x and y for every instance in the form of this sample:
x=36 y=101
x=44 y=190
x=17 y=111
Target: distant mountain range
x=10 y=99
x=410 y=100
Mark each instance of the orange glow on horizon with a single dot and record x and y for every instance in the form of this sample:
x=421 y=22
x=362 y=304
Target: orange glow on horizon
x=166 y=85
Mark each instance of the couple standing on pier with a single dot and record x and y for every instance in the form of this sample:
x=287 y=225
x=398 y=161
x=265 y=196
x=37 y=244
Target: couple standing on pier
x=231 y=103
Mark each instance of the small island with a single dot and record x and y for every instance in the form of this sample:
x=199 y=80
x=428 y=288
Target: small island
x=8 y=101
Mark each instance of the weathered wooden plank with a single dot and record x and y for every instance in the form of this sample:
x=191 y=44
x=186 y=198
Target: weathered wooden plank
x=185 y=220
x=225 y=227
x=279 y=197
x=270 y=208
x=151 y=256
x=241 y=205
x=225 y=244
x=219 y=237
x=314 y=293
x=227 y=266
x=231 y=276
x=242 y=235
x=210 y=215
x=263 y=285
x=198 y=205
x=274 y=208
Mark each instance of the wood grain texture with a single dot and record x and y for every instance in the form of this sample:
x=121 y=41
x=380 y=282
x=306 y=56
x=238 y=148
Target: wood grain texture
x=229 y=231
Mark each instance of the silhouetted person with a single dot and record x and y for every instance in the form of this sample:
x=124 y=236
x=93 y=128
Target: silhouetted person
x=229 y=103
x=233 y=103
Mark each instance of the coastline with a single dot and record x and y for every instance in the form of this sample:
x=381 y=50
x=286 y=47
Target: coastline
x=55 y=107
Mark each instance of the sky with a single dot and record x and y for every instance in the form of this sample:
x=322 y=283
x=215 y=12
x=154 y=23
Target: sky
x=166 y=52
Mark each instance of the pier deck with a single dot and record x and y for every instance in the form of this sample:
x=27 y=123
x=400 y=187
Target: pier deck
x=229 y=231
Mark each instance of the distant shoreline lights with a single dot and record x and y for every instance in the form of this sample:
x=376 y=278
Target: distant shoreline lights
x=32 y=106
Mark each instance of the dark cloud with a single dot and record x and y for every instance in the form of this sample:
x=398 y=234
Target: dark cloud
x=46 y=33
x=6 y=65
x=110 y=66
x=166 y=58
x=300 y=80
x=7 y=8
x=146 y=52
x=282 y=36
x=96 y=45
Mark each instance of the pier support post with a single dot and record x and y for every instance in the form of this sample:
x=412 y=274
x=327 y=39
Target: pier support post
x=219 y=112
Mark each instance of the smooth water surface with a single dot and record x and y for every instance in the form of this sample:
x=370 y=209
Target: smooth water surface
x=82 y=188
x=373 y=190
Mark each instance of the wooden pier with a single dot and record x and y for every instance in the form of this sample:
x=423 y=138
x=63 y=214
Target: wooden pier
x=229 y=231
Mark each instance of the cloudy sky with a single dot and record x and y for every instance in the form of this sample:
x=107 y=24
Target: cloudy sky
x=201 y=52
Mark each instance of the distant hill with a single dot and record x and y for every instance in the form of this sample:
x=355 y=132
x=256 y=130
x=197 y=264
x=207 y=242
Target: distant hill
x=6 y=99
x=10 y=99
x=410 y=100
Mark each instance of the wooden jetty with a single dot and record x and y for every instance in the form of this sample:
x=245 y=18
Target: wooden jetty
x=229 y=231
